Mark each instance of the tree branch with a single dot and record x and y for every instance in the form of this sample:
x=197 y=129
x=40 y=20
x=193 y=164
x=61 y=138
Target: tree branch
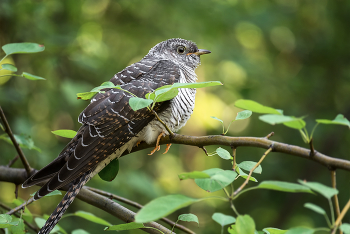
x=139 y=206
x=14 y=142
x=117 y=210
x=259 y=142
x=18 y=176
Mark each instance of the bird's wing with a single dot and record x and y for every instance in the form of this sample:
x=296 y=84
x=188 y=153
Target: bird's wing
x=108 y=123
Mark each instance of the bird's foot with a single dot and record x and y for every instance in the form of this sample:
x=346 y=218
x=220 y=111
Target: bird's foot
x=167 y=148
x=157 y=148
x=137 y=143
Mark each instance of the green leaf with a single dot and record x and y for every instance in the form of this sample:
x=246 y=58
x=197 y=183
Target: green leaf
x=126 y=226
x=297 y=123
x=300 y=230
x=40 y=222
x=244 y=175
x=274 y=231
x=158 y=92
x=86 y=95
x=284 y=187
x=315 y=208
x=162 y=206
x=19 y=228
x=219 y=179
x=232 y=229
x=65 y=133
x=255 y=107
x=339 y=119
x=213 y=117
x=248 y=165
x=139 y=103
x=79 y=231
x=6 y=221
x=22 y=48
x=222 y=219
x=188 y=218
x=94 y=91
x=53 y=193
x=105 y=85
x=9 y=67
x=110 y=171
x=245 y=225
x=243 y=115
x=193 y=175
x=92 y=218
x=170 y=94
x=345 y=227
x=324 y=190
x=24 y=141
x=223 y=153
x=32 y=77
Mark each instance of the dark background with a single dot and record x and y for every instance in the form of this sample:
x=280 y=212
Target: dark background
x=290 y=55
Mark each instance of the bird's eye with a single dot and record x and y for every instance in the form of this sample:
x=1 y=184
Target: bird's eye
x=181 y=49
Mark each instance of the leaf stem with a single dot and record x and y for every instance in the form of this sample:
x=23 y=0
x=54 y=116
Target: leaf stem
x=166 y=127
x=234 y=208
x=313 y=130
x=245 y=190
x=12 y=74
x=3 y=58
x=227 y=194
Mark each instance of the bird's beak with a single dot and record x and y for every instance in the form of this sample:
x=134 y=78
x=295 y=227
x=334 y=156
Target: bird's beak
x=201 y=51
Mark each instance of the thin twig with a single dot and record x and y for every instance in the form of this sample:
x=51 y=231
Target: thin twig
x=336 y=201
x=204 y=149
x=139 y=206
x=35 y=229
x=269 y=135
x=166 y=127
x=251 y=171
x=20 y=207
x=15 y=144
x=341 y=216
x=12 y=161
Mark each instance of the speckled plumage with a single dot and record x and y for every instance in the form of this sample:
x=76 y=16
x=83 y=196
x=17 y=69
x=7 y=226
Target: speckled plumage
x=110 y=126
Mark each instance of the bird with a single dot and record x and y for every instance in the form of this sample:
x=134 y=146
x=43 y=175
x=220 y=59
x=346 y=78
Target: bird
x=110 y=126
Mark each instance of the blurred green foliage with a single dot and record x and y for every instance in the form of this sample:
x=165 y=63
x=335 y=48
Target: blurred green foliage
x=290 y=55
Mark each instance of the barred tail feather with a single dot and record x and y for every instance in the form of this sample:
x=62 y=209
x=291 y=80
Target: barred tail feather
x=64 y=204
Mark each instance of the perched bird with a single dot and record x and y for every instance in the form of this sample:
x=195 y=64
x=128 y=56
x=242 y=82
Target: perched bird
x=110 y=126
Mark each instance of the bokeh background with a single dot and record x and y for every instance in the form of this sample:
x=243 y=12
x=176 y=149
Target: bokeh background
x=288 y=54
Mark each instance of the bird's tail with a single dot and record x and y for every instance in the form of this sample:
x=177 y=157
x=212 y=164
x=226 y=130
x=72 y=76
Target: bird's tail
x=64 y=204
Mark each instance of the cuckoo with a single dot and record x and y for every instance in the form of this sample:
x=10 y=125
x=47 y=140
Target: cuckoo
x=110 y=126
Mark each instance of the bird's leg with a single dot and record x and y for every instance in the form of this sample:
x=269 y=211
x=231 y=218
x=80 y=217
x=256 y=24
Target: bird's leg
x=157 y=144
x=167 y=148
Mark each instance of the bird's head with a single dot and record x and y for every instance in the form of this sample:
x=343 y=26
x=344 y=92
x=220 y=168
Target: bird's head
x=179 y=51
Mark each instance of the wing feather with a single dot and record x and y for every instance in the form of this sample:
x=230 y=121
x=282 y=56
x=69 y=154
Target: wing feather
x=108 y=123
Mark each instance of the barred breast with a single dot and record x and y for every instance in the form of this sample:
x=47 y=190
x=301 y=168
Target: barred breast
x=177 y=114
